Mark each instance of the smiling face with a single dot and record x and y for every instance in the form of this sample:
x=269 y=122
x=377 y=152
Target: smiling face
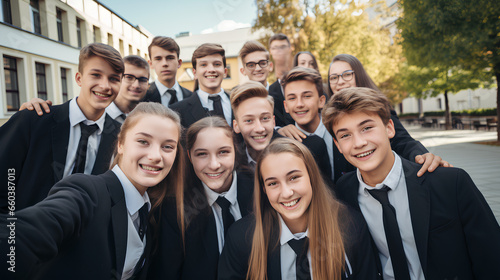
x=339 y=67
x=210 y=72
x=257 y=74
x=148 y=151
x=254 y=119
x=303 y=102
x=288 y=188
x=99 y=86
x=165 y=63
x=212 y=156
x=363 y=139
x=305 y=60
x=135 y=91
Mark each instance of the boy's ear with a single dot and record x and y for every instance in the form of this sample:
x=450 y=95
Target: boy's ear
x=391 y=131
x=179 y=63
x=270 y=66
x=286 y=108
x=236 y=128
x=78 y=79
x=338 y=146
x=225 y=72
x=242 y=70
x=150 y=63
x=322 y=101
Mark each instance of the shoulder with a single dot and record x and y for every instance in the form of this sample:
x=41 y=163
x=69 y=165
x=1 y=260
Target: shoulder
x=186 y=91
x=274 y=88
x=241 y=232
x=314 y=141
x=184 y=103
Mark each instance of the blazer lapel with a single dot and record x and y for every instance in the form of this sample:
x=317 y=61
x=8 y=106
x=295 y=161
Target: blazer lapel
x=419 y=201
x=185 y=93
x=60 y=139
x=153 y=94
x=274 y=260
x=245 y=192
x=106 y=146
x=197 y=110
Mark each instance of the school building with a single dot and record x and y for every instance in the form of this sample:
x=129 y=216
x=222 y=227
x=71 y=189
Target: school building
x=40 y=43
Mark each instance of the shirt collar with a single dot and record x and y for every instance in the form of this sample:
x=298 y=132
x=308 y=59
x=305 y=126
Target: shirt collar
x=320 y=130
x=76 y=116
x=249 y=158
x=204 y=95
x=133 y=199
x=391 y=180
x=113 y=111
x=162 y=89
x=287 y=235
x=230 y=195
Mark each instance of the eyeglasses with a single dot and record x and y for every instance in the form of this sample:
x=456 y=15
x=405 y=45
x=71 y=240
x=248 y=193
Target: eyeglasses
x=282 y=47
x=346 y=76
x=262 y=64
x=131 y=79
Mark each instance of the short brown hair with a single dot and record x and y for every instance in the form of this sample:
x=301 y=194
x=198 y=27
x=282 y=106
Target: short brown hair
x=137 y=61
x=165 y=43
x=279 y=37
x=250 y=47
x=303 y=74
x=208 y=49
x=248 y=90
x=355 y=100
x=108 y=53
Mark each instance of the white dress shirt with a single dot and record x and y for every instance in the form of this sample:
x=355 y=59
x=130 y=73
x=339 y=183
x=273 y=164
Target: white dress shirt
x=165 y=96
x=372 y=211
x=232 y=196
x=287 y=254
x=209 y=104
x=76 y=116
x=134 y=201
x=115 y=113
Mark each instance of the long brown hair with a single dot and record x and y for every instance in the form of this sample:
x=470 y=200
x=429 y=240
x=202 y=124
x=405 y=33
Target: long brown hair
x=173 y=184
x=325 y=238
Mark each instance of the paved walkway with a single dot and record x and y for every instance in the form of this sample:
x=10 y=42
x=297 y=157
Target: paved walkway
x=482 y=162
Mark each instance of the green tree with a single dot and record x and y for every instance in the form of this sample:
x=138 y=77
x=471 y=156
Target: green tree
x=458 y=37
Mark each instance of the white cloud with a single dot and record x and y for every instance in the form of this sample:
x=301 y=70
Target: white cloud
x=208 y=30
x=227 y=25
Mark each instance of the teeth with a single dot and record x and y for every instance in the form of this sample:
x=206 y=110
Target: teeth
x=211 y=77
x=100 y=94
x=291 y=203
x=149 y=168
x=213 y=175
x=302 y=112
x=364 y=154
x=258 y=137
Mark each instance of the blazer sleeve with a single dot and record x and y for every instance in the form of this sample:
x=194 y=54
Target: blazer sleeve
x=402 y=142
x=482 y=232
x=41 y=230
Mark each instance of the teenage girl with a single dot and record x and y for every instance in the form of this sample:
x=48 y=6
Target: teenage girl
x=299 y=230
x=96 y=227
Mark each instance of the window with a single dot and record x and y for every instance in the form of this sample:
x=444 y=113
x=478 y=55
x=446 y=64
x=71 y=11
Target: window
x=97 y=34
x=122 y=47
x=110 y=39
x=41 y=81
x=139 y=52
x=6 y=12
x=439 y=104
x=130 y=50
x=64 y=84
x=11 y=83
x=35 y=16
x=79 y=32
x=60 y=36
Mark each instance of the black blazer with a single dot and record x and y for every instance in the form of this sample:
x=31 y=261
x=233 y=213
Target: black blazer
x=281 y=117
x=201 y=246
x=191 y=110
x=78 y=232
x=35 y=148
x=234 y=259
x=456 y=234
x=153 y=95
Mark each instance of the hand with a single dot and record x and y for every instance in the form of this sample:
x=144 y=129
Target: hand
x=430 y=162
x=291 y=131
x=37 y=104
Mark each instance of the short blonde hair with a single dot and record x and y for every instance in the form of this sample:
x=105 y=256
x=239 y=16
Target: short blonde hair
x=248 y=90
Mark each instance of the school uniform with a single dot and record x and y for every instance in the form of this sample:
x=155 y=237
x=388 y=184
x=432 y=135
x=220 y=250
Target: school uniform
x=115 y=113
x=82 y=230
x=153 y=94
x=448 y=231
x=281 y=117
x=204 y=236
x=36 y=149
x=281 y=259
x=198 y=106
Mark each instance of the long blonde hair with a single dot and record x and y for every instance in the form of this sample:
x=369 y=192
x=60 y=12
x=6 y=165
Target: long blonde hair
x=173 y=183
x=325 y=236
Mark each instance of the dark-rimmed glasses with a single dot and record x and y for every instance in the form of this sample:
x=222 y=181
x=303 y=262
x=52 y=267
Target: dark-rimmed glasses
x=131 y=79
x=347 y=75
x=262 y=64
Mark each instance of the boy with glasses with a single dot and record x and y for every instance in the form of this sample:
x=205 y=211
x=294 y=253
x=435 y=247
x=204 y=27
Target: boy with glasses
x=256 y=64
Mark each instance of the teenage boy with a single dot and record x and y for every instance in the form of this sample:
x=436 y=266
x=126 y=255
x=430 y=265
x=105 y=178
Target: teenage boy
x=437 y=226
x=281 y=52
x=164 y=59
x=304 y=100
x=209 y=69
x=75 y=137
x=254 y=120
x=132 y=90
x=256 y=65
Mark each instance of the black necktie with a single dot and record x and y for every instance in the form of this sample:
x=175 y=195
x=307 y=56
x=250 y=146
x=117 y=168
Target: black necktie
x=143 y=220
x=217 y=111
x=81 y=152
x=300 y=248
x=227 y=217
x=394 y=242
x=173 y=96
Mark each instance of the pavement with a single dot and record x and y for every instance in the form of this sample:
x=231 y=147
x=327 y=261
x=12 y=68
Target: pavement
x=459 y=148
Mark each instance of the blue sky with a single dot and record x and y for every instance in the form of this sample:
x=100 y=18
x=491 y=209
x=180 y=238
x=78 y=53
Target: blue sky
x=169 y=17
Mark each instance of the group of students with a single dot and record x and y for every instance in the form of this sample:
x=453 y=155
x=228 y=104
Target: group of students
x=280 y=181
